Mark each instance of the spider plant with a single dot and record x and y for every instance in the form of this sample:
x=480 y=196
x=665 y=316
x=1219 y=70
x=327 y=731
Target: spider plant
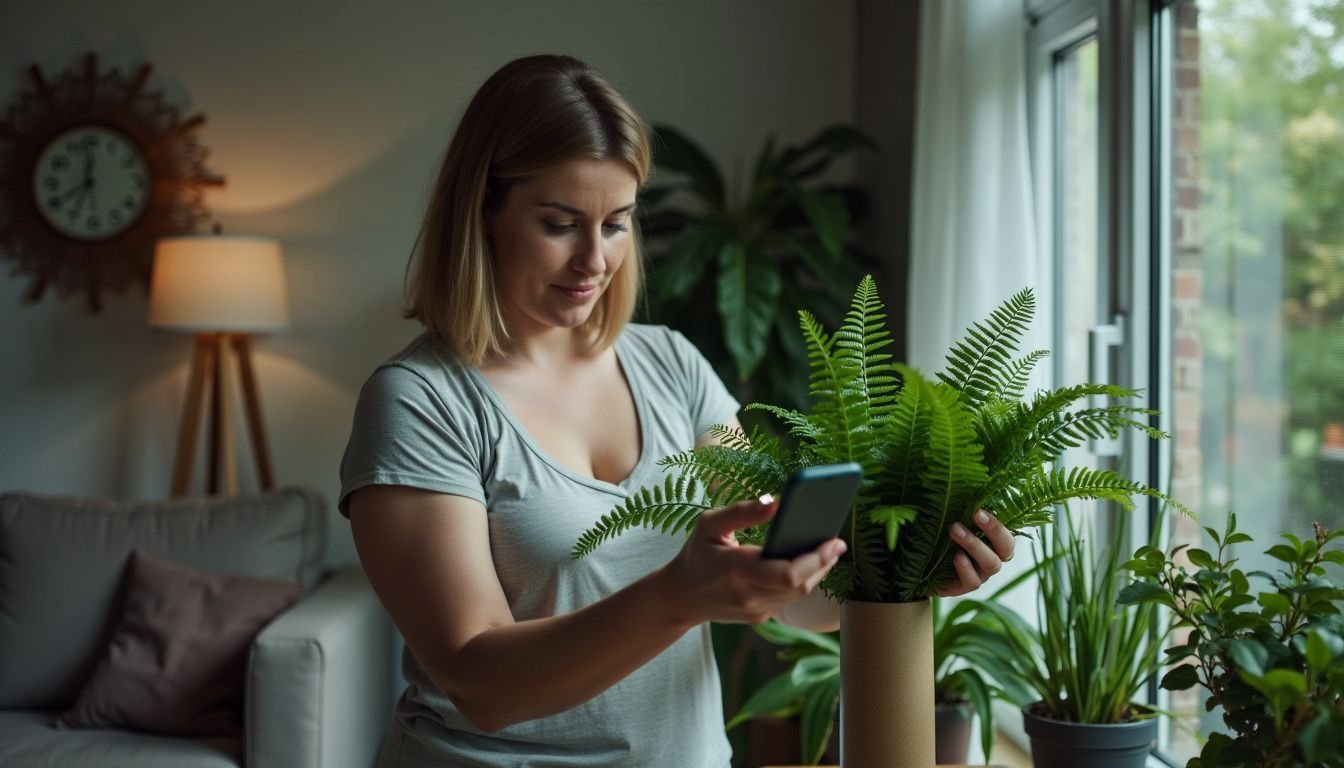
x=933 y=451
x=1088 y=657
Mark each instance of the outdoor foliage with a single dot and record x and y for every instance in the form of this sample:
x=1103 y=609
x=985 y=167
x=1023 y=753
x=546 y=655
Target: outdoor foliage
x=1273 y=660
x=933 y=452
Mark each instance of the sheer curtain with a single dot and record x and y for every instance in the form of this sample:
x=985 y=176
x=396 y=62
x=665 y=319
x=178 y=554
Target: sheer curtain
x=972 y=241
x=972 y=228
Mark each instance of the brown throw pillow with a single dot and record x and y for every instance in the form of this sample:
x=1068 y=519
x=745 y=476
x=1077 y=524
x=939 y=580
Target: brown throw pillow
x=175 y=663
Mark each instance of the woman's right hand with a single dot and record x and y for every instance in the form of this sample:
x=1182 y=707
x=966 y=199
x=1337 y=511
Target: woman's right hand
x=716 y=578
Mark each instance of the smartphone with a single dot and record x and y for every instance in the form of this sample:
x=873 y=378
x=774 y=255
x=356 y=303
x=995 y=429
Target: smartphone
x=812 y=509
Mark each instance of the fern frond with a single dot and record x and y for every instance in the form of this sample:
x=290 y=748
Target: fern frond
x=1033 y=497
x=1012 y=384
x=903 y=438
x=800 y=424
x=954 y=474
x=862 y=333
x=1061 y=432
x=1018 y=429
x=977 y=366
x=731 y=474
x=838 y=406
x=672 y=507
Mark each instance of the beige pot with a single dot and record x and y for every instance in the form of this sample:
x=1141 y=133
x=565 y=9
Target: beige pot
x=886 y=685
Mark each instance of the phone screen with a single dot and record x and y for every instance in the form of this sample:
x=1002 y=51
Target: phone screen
x=814 y=506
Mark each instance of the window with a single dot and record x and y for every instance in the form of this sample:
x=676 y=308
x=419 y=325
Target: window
x=1252 y=243
x=1189 y=163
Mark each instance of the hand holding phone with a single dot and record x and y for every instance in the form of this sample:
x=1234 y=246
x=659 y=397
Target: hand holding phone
x=812 y=509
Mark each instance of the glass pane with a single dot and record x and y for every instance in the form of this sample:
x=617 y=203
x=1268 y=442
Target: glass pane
x=1256 y=247
x=1077 y=271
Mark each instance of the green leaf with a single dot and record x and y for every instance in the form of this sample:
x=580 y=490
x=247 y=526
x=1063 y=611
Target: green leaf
x=748 y=288
x=827 y=214
x=1248 y=655
x=783 y=634
x=674 y=150
x=777 y=695
x=810 y=670
x=1144 y=592
x=1274 y=602
x=684 y=263
x=892 y=518
x=818 y=719
x=1318 y=652
x=1180 y=678
x=1319 y=741
x=1282 y=552
x=1200 y=558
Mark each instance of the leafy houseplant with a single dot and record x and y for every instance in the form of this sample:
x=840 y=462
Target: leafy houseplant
x=1086 y=661
x=933 y=452
x=1273 y=660
x=810 y=688
x=780 y=241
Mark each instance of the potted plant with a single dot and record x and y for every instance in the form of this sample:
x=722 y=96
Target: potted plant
x=779 y=240
x=966 y=657
x=1086 y=660
x=933 y=453
x=1272 y=660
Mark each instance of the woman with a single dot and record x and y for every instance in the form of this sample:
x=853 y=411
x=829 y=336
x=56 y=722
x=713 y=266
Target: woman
x=528 y=408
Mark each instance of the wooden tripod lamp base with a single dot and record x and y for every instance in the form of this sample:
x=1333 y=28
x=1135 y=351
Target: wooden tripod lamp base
x=211 y=368
x=221 y=288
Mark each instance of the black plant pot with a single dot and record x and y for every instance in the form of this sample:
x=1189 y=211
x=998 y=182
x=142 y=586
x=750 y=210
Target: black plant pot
x=1060 y=744
x=952 y=729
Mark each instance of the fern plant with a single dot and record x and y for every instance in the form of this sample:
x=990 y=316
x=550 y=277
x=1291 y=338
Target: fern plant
x=933 y=450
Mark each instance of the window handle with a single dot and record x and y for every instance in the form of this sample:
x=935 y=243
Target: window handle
x=1101 y=340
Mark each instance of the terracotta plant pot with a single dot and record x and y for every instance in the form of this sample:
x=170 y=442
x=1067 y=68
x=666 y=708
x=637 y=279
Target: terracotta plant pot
x=1060 y=744
x=886 y=685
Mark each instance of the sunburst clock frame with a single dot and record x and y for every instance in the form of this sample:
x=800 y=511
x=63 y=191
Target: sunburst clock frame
x=95 y=167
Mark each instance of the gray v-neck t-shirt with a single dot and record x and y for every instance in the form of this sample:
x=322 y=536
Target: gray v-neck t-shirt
x=426 y=420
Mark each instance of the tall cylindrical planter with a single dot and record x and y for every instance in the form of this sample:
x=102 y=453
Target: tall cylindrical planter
x=1060 y=744
x=886 y=685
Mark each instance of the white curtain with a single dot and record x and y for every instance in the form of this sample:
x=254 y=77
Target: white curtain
x=972 y=241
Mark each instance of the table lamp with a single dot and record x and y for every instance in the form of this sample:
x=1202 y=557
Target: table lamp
x=223 y=288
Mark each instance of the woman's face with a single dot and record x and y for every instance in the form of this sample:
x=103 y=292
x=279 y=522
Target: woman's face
x=558 y=239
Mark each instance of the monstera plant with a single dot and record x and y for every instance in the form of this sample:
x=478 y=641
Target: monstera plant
x=933 y=451
x=752 y=249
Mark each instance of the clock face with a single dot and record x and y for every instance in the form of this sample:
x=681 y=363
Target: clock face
x=91 y=183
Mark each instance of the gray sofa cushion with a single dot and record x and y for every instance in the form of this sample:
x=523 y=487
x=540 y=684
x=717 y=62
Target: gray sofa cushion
x=27 y=740
x=61 y=562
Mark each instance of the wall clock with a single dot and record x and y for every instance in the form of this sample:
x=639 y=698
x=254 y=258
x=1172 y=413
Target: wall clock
x=94 y=168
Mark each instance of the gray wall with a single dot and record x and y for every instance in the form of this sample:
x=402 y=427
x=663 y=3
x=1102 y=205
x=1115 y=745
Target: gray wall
x=328 y=119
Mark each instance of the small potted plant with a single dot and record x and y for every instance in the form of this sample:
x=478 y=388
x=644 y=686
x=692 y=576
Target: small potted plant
x=1272 y=660
x=934 y=452
x=1087 y=659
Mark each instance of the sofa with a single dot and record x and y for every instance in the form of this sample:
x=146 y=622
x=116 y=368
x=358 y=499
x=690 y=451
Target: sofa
x=315 y=688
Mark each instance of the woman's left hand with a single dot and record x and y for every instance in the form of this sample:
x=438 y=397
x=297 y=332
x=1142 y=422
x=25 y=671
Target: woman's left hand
x=979 y=559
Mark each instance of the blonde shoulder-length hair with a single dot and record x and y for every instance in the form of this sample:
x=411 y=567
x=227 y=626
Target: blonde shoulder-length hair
x=530 y=117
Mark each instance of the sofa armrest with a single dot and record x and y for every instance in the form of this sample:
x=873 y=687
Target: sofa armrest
x=319 y=680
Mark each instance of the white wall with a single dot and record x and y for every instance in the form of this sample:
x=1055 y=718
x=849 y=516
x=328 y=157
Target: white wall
x=328 y=118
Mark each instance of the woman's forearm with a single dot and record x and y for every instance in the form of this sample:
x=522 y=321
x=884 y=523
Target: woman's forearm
x=540 y=667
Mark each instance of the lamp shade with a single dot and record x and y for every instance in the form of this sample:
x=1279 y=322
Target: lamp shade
x=218 y=283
